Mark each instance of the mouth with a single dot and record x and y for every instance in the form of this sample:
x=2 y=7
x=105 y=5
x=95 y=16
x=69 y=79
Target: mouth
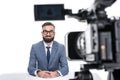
x=48 y=37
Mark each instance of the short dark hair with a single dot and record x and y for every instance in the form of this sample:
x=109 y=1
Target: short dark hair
x=48 y=23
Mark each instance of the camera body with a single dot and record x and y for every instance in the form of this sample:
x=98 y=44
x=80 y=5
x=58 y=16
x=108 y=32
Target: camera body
x=99 y=45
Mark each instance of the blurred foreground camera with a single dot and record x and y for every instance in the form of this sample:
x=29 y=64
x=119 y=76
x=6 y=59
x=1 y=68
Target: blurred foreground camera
x=99 y=45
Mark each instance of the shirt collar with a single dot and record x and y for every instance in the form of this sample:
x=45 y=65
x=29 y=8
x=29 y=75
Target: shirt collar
x=48 y=45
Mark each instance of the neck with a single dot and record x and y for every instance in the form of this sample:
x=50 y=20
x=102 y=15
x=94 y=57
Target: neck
x=48 y=43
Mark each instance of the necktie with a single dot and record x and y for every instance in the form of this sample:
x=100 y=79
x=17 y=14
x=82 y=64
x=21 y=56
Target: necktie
x=48 y=53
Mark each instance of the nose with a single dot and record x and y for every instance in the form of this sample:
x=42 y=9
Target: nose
x=48 y=33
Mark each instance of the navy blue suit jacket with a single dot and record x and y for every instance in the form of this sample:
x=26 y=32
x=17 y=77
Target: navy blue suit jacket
x=38 y=59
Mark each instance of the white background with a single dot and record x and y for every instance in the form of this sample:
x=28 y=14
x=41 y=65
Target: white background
x=18 y=31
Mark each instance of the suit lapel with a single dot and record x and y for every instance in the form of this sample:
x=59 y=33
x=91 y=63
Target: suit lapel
x=43 y=54
x=53 y=52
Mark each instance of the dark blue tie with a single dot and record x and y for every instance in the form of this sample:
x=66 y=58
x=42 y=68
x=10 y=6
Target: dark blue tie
x=48 y=53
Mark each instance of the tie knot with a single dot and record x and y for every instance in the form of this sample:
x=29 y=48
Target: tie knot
x=48 y=47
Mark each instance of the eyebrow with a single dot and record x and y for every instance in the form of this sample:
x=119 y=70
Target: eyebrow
x=47 y=30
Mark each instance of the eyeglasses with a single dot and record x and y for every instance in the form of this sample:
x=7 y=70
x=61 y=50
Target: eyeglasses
x=46 y=32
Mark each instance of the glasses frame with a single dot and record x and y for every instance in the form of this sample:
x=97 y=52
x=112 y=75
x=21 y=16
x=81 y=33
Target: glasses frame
x=46 y=32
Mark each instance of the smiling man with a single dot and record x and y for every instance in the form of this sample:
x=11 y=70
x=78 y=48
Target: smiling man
x=47 y=57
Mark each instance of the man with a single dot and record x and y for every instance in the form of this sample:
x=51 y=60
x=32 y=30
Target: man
x=44 y=62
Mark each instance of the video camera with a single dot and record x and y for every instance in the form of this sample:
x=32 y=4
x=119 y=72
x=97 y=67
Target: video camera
x=99 y=46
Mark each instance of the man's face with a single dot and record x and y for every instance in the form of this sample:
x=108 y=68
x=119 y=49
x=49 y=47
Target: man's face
x=48 y=33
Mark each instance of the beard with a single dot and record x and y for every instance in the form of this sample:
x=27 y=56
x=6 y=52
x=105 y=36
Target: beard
x=48 y=40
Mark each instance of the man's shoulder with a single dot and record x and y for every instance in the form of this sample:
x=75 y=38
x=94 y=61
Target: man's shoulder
x=38 y=43
x=58 y=43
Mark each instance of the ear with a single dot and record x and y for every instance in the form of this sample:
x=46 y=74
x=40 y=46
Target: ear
x=42 y=33
x=54 y=33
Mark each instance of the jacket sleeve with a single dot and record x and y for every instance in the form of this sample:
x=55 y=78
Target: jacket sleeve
x=64 y=69
x=32 y=62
